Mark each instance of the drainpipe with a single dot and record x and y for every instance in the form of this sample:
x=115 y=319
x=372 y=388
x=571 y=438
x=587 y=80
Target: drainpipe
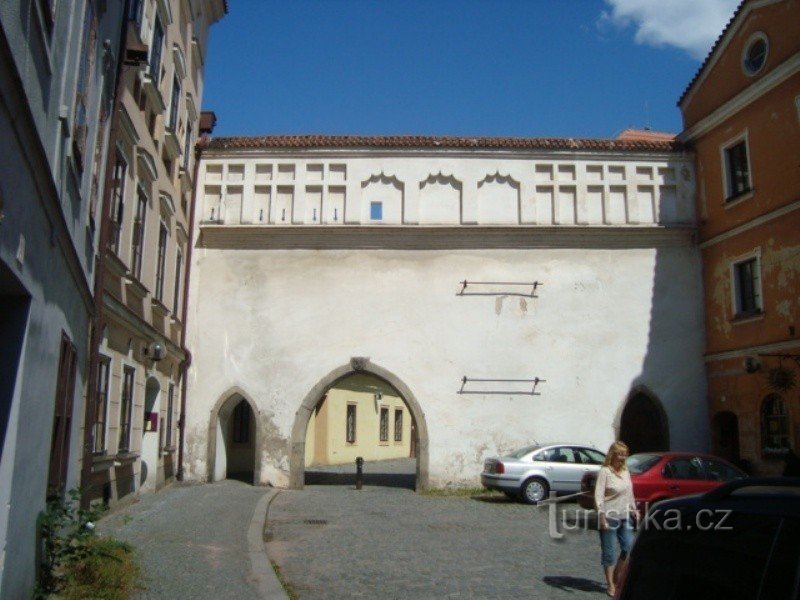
x=185 y=309
x=98 y=321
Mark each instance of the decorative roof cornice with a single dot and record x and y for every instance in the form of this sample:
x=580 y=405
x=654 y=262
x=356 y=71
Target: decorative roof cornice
x=338 y=142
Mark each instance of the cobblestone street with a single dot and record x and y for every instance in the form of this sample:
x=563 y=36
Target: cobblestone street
x=331 y=541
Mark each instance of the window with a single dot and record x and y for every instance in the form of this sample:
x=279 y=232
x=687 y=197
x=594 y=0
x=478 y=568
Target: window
x=135 y=9
x=161 y=261
x=126 y=408
x=755 y=54
x=155 y=51
x=716 y=470
x=351 y=424
x=83 y=89
x=172 y=118
x=774 y=425
x=241 y=423
x=376 y=211
x=137 y=240
x=177 y=298
x=737 y=171
x=170 y=409
x=101 y=405
x=684 y=468
x=62 y=419
x=398 y=424
x=187 y=147
x=590 y=457
x=117 y=202
x=746 y=287
x=384 y=427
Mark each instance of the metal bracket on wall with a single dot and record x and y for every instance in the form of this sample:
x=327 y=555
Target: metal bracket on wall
x=532 y=383
x=532 y=294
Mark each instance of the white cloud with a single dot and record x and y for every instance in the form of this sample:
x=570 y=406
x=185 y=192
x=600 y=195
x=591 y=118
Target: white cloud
x=691 y=25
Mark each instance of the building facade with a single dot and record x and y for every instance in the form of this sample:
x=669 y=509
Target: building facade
x=137 y=391
x=361 y=416
x=57 y=71
x=509 y=290
x=742 y=119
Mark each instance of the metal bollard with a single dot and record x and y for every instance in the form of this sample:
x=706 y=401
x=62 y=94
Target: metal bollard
x=359 y=472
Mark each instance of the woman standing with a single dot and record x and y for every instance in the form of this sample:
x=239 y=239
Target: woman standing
x=616 y=507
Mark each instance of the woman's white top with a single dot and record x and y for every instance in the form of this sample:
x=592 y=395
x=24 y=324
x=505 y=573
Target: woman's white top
x=613 y=493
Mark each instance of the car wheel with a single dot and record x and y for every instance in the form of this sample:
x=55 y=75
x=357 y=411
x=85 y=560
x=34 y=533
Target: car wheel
x=534 y=490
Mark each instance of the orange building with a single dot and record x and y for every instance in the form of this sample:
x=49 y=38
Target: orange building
x=741 y=116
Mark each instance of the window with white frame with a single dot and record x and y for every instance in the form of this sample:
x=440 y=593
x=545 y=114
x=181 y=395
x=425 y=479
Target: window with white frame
x=398 y=424
x=156 y=47
x=376 y=211
x=161 y=261
x=384 y=425
x=126 y=409
x=737 y=169
x=746 y=284
x=177 y=298
x=351 y=424
x=101 y=405
x=170 y=409
x=172 y=118
x=137 y=239
x=118 y=201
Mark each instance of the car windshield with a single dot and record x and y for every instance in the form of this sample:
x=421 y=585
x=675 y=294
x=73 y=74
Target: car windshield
x=639 y=463
x=523 y=451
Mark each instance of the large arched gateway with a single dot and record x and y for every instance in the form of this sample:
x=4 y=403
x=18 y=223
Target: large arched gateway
x=357 y=365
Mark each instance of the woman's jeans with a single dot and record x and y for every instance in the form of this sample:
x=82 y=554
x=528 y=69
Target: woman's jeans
x=622 y=530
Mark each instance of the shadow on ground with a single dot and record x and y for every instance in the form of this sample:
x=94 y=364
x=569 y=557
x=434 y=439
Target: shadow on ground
x=567 y=583
x=393 y=480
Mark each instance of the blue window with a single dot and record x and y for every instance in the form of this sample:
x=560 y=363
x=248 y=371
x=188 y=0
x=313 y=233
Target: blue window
x=376 y=211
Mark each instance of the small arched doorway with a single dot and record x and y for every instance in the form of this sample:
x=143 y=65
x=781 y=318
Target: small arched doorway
x=418 y=440
x=233 y=439
x=643 y=425
x=725 y=436
x=150 y=434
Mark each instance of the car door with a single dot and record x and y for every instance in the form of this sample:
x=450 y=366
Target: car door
x=718 y=472
x=567 y=469
x=684 y=475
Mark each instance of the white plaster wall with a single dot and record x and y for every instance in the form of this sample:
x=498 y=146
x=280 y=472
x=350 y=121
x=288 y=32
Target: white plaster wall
x=275 y=322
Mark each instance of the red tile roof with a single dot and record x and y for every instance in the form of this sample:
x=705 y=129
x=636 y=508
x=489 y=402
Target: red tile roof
x=645 y=135
x=712 y=51
x=298 y=142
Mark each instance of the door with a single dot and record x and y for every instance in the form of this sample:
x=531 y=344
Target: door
x=566 y=469
x=685 y=475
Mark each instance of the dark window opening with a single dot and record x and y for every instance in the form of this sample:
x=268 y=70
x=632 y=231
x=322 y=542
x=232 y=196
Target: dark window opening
x=738 y=173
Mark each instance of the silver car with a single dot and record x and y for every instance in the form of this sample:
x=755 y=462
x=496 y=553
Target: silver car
x=533 y=472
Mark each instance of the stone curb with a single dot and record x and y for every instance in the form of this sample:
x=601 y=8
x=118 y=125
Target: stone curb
x=266 y=582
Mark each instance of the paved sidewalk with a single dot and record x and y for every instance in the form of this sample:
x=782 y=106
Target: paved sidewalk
x=199 y=541
x=331 y=541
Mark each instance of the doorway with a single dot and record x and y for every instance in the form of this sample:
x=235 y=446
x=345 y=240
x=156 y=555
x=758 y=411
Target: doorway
x=150 y=434
x=234 y=439
x=643 y=426
x=725 y=436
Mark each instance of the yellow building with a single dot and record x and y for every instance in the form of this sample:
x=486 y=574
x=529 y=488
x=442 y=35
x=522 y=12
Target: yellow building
x=360 y=416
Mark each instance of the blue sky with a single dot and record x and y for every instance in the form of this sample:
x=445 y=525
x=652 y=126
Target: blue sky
x=539 y=68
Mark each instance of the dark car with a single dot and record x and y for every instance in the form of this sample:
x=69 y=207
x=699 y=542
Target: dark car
x=739 y=541
x=662 y=475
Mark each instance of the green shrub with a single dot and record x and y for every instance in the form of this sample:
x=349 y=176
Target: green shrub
x=75 y=563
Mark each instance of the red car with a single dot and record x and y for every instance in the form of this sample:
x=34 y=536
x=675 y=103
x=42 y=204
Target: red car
x=661 y=475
